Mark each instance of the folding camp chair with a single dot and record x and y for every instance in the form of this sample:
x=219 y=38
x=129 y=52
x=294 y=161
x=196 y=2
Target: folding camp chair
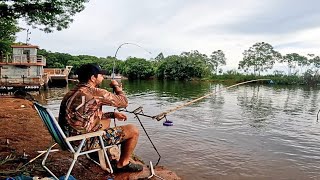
x=60 y=138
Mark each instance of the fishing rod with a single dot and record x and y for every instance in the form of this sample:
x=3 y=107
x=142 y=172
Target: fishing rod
x=164 y=114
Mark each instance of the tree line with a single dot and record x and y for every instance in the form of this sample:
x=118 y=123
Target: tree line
x=50 y=15
x=185 y=66
x=261 y=57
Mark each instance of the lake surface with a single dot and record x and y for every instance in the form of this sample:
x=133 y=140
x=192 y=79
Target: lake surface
x=246 y=132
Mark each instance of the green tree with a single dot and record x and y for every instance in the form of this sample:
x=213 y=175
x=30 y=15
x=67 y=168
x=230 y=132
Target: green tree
x=303 y=62
x=217 y=58
x=108 y=62
x=292 y=60
x=198 y=61
x=49 y=14
x=261 y=57
x=8 y=29
x=315 y=61
x=137 y=68
x=56 y=59
x=159 y=57
x=186 y=66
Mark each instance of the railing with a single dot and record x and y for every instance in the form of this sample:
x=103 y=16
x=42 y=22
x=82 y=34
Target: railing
x=5 y=59
x=23 y=80
x=54 y=71
x=58 y=71
x=23 y=59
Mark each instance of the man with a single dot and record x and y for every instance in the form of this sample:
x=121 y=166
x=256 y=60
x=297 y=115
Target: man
x=81 y=112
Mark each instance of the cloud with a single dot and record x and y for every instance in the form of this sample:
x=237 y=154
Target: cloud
x=276 y=17
x=175 y=26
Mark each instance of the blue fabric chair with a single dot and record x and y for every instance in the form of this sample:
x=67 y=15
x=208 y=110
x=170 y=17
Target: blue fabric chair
x=64 y=142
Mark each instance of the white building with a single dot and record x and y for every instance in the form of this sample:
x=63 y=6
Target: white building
x=23 y=68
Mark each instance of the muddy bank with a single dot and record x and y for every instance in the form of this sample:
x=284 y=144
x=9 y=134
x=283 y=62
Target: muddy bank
x=23 y=134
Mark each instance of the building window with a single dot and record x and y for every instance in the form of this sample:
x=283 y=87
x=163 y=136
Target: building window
x=38 y=70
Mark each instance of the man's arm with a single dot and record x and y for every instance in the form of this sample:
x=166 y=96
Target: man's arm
x=105 y=97
x=117 y=115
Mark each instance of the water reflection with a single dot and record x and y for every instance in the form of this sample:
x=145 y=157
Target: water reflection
x=247 y=132
x=176 y=90
x=256 y=108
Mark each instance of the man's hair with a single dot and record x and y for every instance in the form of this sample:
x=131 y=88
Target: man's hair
x=87 y=70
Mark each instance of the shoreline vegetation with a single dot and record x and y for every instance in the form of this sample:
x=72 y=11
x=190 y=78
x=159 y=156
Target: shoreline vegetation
x=276 y=79
x=257 y=63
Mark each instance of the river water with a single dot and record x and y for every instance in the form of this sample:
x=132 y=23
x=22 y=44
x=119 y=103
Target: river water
x=246 y=132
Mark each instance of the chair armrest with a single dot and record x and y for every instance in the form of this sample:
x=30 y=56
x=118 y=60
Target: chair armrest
x=85 y=136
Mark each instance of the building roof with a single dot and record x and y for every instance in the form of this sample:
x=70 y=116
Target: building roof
x=25 y=46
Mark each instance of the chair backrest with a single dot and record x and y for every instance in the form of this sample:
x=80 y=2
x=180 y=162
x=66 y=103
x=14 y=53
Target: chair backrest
x=52 y=125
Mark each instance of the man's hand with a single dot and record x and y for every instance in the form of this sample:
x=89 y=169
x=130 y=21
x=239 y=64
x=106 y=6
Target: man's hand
x=114 y=83
x=117 y=87
x=120 y=116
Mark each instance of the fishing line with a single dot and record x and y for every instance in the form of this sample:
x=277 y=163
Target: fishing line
x=115 y=55
x=114 y=64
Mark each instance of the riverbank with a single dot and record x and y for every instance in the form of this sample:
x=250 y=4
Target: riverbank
x=23 y=134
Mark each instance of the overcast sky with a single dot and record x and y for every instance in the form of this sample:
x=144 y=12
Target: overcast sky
x=175 y=26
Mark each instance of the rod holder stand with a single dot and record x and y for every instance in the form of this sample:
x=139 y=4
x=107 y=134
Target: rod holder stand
x=153 y=174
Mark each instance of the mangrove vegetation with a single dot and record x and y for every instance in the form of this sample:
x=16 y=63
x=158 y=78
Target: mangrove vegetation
x=257 y=62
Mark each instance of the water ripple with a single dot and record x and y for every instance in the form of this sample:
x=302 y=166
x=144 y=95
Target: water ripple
x=248 y=132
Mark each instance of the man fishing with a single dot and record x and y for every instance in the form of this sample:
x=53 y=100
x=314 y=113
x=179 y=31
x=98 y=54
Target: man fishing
x=81 y=112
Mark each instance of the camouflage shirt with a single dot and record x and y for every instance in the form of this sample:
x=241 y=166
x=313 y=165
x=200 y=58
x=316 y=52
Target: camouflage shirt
x=81 y=108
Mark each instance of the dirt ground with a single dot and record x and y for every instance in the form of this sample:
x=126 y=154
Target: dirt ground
x=23 y=134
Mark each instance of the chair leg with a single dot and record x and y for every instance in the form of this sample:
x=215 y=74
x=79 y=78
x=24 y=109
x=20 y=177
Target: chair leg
x=44 y=161
x=75 y=157
x=105 y=154
x=102 y=160
x=70 y=168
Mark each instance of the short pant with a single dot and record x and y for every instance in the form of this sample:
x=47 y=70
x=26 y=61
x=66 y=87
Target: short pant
x=113 y=136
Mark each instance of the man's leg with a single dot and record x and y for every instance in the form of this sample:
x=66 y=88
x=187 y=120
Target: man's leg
x=131 y=135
